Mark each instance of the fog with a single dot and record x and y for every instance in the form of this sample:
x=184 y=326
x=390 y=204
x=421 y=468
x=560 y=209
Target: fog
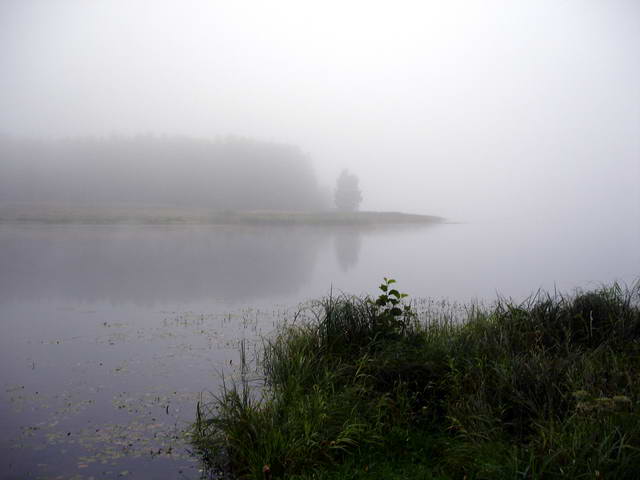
x=474 y=110
x=178 y=179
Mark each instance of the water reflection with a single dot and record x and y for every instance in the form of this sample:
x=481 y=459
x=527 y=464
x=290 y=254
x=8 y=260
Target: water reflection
x=149 y=265
x=168 y=265
x=347 y=244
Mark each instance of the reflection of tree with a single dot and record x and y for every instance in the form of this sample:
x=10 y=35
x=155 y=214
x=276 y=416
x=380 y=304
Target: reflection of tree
x=347 y=243
x=147 y=265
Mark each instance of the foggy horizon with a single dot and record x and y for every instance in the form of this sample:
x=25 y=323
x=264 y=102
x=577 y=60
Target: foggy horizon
x=332 y=239
x=469 y=110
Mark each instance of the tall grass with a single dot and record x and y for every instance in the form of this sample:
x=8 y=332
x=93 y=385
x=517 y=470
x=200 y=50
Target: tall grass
x=544 y=389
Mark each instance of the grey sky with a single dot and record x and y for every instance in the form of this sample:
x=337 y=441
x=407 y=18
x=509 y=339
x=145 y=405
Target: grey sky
x=467 y=109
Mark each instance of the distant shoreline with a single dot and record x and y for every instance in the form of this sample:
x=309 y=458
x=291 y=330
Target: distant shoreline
x=33 y=214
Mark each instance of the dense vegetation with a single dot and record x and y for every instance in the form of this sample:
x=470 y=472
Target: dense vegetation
x=372 y=388
x=231 y=173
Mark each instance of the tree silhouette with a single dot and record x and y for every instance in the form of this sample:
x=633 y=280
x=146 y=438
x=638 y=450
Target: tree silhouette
x=347 y=194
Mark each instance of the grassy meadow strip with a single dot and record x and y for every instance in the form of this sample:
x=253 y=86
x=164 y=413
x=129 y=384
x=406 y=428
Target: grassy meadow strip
x=367 y=388
x=48 y=214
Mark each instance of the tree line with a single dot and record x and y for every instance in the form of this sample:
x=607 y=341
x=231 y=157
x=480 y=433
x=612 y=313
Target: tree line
x=231 y=173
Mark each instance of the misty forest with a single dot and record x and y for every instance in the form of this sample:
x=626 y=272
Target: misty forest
x=237 y=174
x=319 y=240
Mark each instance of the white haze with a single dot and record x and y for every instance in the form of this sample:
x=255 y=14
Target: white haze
x=471 y=110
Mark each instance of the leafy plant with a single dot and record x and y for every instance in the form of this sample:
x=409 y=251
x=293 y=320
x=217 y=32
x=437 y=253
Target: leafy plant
x=391 y=312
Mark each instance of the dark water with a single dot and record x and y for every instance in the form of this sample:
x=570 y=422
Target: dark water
x=110 y=334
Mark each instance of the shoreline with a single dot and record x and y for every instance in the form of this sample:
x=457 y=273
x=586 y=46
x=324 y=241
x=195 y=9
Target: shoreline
x=365 y=387
x=199 y=216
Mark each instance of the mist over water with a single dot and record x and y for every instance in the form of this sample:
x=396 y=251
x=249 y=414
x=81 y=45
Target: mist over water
x=518 y=122
x=218 y=267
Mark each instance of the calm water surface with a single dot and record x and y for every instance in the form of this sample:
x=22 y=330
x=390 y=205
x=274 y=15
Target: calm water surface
x=109 y=335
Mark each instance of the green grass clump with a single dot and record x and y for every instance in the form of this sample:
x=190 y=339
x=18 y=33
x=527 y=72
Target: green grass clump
x=368 y=387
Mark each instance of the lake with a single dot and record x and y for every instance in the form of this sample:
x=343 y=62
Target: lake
x=110 y=335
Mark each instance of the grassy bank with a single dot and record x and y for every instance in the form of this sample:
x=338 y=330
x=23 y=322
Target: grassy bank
x=368 y=388
x=193 y=216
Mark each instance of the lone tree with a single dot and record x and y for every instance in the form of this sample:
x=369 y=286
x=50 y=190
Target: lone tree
x=347 y=194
